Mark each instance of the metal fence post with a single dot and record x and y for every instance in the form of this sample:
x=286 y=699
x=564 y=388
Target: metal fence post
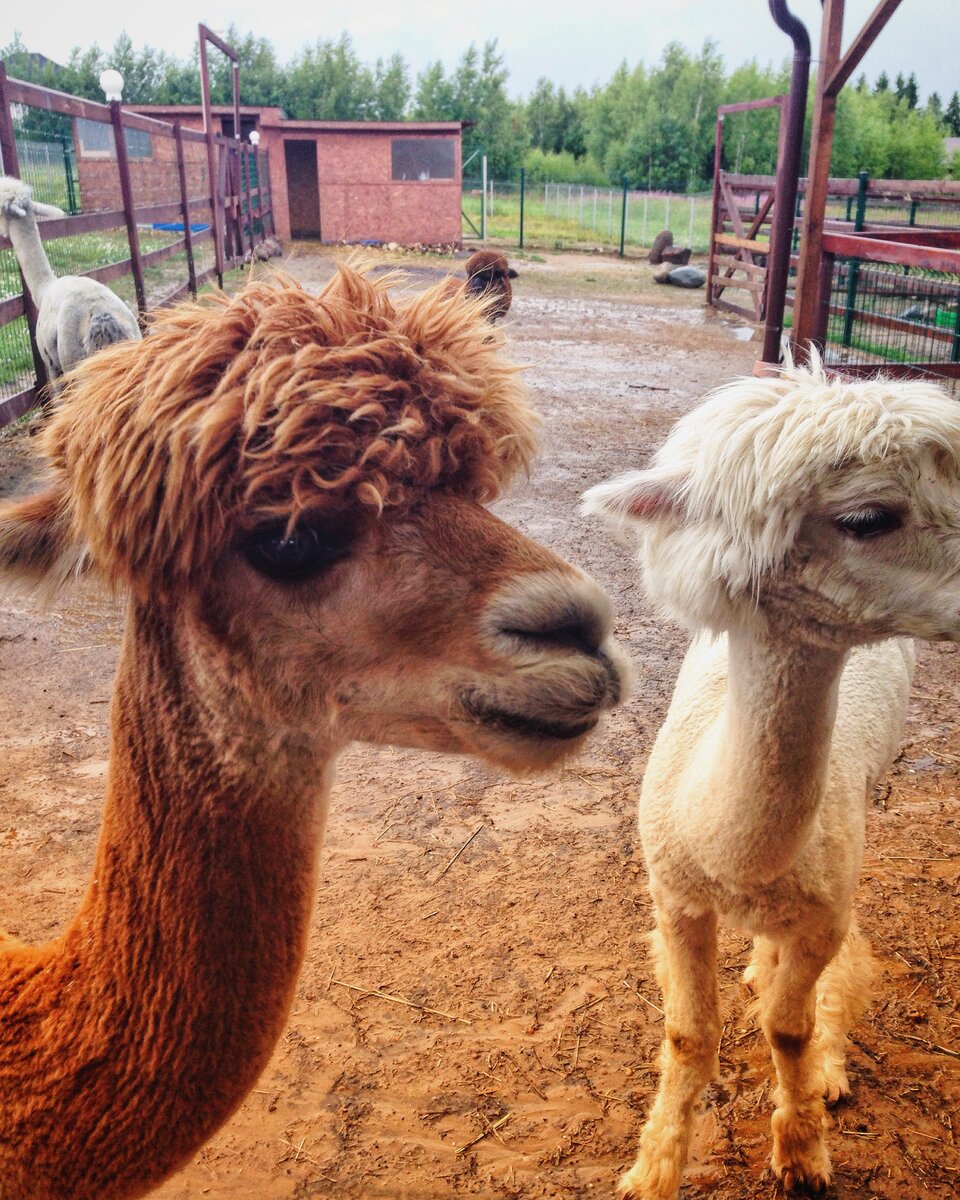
x=623 y=217
x=853 y=266
x=523 y=177
x=483 y=204
x=955 y=344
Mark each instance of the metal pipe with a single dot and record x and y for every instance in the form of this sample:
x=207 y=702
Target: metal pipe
x=788 y=177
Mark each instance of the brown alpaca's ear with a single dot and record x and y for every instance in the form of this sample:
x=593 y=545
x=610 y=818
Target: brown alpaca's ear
x=36 y=543
x=511 y=274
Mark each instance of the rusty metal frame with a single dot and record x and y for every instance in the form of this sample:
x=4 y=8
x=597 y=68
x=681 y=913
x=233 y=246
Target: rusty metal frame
x=835 y=69
x=217 y=202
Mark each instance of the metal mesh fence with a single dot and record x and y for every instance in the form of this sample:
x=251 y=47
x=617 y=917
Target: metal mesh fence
x=563 y=216
x=887 y=314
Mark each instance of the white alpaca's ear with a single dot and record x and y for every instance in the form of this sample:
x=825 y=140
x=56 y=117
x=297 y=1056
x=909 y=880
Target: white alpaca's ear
x=36 y=544
x=639 y=496
x=44 y=211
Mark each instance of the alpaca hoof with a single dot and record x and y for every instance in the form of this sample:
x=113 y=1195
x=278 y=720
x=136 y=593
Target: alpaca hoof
x=800 y=1159
x=796 y=1182
x=836 y=1087
x=635 y=1185
x=654 y=1176
x=807 y=1175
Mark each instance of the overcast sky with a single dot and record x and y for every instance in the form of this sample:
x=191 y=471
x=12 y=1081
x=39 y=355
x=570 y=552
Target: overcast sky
x=570 y=43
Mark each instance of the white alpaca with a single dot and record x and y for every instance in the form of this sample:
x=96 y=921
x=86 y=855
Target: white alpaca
x=803 y=521
x=75 y=316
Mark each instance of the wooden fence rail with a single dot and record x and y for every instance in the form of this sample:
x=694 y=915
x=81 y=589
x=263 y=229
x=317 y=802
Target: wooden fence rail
x=231 y=204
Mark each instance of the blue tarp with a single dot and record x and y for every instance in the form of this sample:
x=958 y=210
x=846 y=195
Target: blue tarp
x=177 y=227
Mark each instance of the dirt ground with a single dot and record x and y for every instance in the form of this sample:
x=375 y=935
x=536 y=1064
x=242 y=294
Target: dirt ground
x=487 y=1024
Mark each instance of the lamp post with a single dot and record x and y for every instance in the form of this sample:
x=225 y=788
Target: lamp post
x=112 y=83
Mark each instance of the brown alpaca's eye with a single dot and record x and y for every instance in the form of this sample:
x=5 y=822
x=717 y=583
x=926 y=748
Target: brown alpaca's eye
x=868 y=522
x=291 y=557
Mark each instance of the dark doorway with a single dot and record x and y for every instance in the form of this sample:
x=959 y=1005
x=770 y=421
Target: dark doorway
x=303 y=189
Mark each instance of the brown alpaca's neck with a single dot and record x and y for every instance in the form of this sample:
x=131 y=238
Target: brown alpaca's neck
x=125 y=1044
x=770 y=754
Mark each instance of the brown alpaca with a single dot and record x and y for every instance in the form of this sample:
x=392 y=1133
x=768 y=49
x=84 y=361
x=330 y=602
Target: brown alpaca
x=291 y=490
x=488 y=276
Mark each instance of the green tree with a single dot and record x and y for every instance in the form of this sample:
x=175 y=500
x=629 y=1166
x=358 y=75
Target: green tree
x=391 y=84
x=952 y=116
x=884 y=136
x=434 y=98
x=935 y=107
x=327 y=82
x=542 y=116
x=476 y=92
x=882 y=84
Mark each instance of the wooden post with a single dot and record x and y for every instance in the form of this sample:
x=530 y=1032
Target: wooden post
x=808 y=301
x=245 y=167
x=185 y=209
x=715 y=206
x=126 y=191
x=11 y=166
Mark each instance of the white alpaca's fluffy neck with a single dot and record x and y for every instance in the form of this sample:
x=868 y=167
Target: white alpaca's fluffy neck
x=31 y=256
x=768 y=756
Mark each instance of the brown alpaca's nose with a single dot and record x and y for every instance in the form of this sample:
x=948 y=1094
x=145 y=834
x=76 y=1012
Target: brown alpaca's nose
x=577 y=629
x=552 y=612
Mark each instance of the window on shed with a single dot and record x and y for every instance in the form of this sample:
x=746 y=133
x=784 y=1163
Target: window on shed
x=96 y=140
x=423 y=158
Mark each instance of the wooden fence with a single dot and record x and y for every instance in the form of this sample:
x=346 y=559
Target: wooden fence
x=203 y=197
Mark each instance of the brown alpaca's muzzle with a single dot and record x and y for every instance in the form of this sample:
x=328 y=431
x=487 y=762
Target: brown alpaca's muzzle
x=561 y=668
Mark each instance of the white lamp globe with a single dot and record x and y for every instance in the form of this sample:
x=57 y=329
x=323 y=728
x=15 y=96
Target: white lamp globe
x=254 y=138
x=112 y=83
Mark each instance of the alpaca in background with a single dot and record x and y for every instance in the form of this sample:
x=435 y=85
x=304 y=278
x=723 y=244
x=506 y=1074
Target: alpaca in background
x=76 y=316
x=489 y=275
x=805 y=521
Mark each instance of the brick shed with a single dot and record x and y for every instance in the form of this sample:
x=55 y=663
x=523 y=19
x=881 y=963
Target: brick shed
x=349 y=181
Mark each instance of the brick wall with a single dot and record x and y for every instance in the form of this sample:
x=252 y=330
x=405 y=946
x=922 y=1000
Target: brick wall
x=358 y=199
x=154 y=180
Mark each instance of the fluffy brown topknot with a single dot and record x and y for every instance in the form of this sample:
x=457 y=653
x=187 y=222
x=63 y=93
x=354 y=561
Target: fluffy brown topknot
x=271 y=404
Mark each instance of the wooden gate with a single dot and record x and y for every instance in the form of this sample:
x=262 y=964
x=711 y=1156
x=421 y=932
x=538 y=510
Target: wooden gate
x=740 y=226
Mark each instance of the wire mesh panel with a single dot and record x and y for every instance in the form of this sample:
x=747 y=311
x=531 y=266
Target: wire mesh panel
x=562 y=216
x=887 y=314
x=16 y=357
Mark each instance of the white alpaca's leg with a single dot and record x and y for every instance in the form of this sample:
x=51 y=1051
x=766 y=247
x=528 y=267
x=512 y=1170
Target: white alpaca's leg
x=685 y=953
x=787 y=1016
x=843 y=993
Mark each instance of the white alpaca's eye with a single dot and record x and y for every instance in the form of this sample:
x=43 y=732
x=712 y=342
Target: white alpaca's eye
x=289 y=558
x=868 y=522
